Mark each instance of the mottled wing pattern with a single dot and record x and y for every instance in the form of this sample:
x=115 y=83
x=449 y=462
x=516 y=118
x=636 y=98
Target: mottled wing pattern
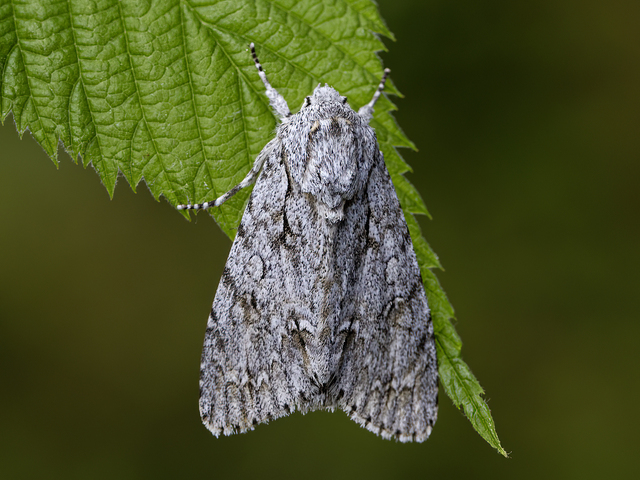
x=321 y=302
x=246 y=373
x=388 y=380
x=309 y=315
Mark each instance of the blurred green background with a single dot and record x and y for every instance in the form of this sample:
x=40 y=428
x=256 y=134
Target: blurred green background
x=527 y=117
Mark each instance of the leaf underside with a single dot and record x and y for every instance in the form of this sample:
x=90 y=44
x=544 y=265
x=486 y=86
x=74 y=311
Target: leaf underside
x=166 y=92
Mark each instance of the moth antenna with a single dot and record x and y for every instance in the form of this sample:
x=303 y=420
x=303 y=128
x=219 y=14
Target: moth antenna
x=367 y=111
x=248 y=180
x=277 y=101
x=195 y=206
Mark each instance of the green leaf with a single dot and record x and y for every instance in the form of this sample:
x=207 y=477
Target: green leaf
x=166 y=92
x=460 y=384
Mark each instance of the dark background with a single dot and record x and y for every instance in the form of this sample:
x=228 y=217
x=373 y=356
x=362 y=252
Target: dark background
x=527 y=118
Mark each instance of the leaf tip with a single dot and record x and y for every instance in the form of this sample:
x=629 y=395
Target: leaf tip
x=185 y=214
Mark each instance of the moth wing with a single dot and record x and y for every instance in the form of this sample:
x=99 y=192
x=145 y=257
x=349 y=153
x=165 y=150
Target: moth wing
x=388 y=380
x=246 y=375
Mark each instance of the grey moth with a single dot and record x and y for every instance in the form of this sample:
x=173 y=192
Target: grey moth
x=321 y=303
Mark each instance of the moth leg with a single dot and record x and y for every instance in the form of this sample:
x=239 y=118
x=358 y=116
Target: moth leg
x=366 y=112
x=248 y=180
x=277 y=101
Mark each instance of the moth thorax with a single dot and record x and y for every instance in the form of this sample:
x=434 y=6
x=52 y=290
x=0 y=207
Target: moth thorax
x=332 y=171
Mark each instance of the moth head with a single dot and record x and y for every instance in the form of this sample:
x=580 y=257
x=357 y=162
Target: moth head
x=324 y=94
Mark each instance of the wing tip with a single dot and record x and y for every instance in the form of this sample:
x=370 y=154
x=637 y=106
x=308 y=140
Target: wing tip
x=222 y=426
x=409 y=435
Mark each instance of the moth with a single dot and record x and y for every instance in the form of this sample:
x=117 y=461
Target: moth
x=321 y=303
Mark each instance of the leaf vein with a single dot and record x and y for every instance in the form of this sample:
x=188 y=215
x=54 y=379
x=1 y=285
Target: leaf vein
x=80 y=81
x=35 y=106
x=135 y=84
x=4 y=70
x=193 y=102
x=335 y=43
x=240 y=75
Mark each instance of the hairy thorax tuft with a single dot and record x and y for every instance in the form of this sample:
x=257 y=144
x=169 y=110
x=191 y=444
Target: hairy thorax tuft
x=327 y=145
